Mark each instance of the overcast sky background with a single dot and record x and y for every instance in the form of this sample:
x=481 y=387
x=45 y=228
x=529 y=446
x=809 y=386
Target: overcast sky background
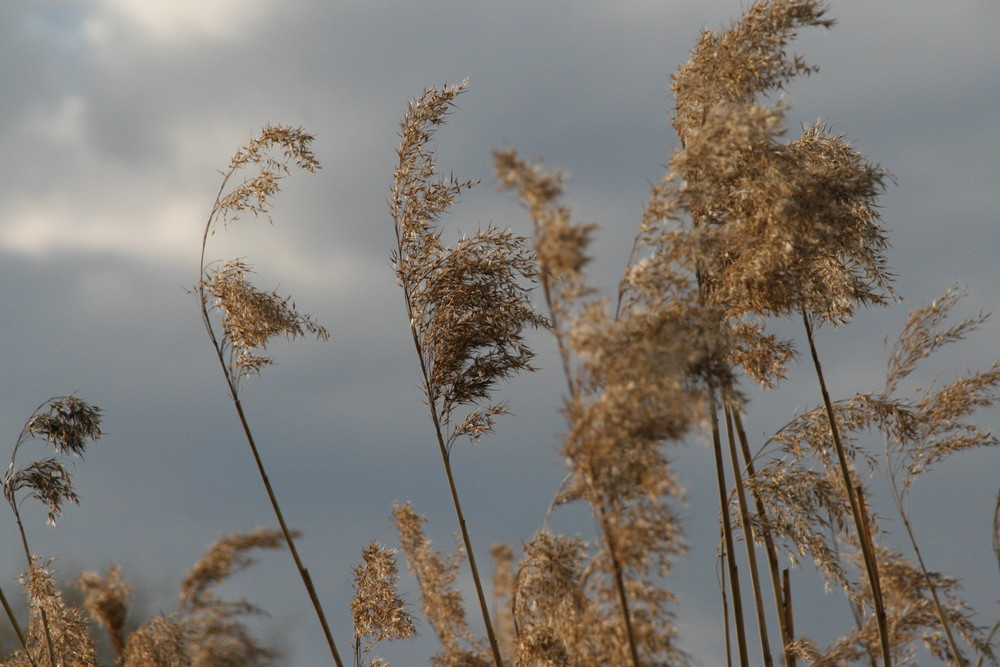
x=116 y=115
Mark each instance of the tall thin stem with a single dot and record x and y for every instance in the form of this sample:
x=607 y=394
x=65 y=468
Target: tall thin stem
x=727 y=531
x=749 y=540
x=725 y=617
x=620 y=589
x=286 y=533
x=867 y=550
x=789 y=625
x=13 y=621
x=459 y=514
x=45 y=618
x=897 y=496
x=606 y=528
x=232 y=384
x=781 y=600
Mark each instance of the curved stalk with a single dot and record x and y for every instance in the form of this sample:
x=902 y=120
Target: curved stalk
x=233 y=384
x=935 y=599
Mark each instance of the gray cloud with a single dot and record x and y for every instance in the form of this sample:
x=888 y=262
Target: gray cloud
x=114 y=123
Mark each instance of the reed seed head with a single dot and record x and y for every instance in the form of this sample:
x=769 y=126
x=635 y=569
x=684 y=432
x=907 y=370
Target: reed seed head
x=379 y=612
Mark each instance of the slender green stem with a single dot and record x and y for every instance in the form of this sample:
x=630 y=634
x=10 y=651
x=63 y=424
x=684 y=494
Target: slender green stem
x=867 y=549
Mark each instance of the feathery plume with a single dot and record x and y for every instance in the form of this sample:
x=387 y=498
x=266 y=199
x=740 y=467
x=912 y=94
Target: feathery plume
x=379 y=613
x=441 y=603
x=105 y=599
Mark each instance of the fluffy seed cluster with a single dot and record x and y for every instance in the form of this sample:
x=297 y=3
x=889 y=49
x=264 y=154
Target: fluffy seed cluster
x=378 y=610
x=631 y=377
x=251 y=318
x=66 y=423
x=746 y=227
x=468 y=303
x=58 y=633
x=105 y=599
x=441 y=602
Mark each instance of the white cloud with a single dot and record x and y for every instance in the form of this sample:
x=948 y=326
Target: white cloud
x=167 y=230
x=175 y=20
x=164 y=228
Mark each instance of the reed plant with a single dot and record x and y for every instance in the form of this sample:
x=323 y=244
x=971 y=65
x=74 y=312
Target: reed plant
x=239 y=318
x=747 y=228
x=56 y=633
x=467 y=304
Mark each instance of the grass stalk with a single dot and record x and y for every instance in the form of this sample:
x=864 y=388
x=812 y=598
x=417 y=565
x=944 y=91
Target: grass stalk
x=864 y=535
x=789 y=618
x=897 y=497
x=271 y=496
x=446 y=463
x=932 y=588
x=727 y=532
x=285 y=532
x=457 y=503
x=989 y=639
x=725 y=618
x=780 y=592
x=749 y=539
x=45 y=617
x=619 y=579
x=13 y=620
x=230 y=372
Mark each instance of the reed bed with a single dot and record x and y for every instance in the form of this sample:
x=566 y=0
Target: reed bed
x=748 y=228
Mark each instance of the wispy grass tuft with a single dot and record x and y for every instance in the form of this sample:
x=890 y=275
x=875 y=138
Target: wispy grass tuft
x=250 y=318
x=468 y=304
x=378 y=610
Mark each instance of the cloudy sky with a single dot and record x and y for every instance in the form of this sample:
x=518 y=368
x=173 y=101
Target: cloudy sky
x=116 y=116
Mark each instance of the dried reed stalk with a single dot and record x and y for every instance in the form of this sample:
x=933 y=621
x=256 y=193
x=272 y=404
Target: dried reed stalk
x=781 y=590
x=933 y=430
x=66 y=423
x=727 y=535
x=467 y=304
x=441 y=603
x=780 y=228
x=249 y=317
x=631 y=390
x=857 y=507
x=749 y=535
